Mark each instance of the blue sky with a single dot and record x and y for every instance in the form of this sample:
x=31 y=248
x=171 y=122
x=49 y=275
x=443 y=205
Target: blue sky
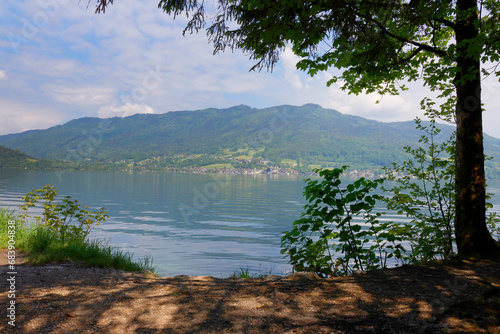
x=61 y=61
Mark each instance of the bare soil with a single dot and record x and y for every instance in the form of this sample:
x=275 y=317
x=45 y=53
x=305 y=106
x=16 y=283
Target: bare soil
x=462 y=297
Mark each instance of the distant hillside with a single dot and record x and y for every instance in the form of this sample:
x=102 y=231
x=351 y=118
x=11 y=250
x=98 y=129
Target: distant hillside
x=308 y=135
x=10 y=158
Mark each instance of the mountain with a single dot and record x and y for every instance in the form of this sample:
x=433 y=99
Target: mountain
x=10 y=158
x=309 y=135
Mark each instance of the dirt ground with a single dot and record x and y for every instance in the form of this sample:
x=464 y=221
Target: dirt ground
x=70 y=298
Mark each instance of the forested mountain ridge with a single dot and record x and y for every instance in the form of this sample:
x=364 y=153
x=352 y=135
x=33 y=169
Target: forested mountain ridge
x=308 y=135
x=10 y=158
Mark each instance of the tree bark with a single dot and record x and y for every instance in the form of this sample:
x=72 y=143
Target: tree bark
x=472 y=236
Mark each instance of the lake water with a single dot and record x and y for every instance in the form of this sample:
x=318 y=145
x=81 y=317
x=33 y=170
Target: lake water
x=192 y=224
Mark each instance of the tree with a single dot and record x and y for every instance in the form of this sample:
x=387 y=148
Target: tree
x=378 y=44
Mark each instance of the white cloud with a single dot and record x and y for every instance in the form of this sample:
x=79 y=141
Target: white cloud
x=77 y=63
x=300 y=89
x=291 y=74
x=80 y=95
x=124 y=110
x=18 y=116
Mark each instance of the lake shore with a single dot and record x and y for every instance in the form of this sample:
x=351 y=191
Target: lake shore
x=438 y=298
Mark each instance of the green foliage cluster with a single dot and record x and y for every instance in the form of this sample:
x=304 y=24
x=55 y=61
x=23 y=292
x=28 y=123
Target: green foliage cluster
x=67 y=220
x=340 y=221
x=339 y=231
x=42 y=245
x=6 y=215
x=430 y=201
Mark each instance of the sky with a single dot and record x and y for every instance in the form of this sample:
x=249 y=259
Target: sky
x=61 y=61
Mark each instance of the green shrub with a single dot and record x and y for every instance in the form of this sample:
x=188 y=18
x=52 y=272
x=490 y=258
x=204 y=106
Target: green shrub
x=340 y=221
x=67 y=220
x=6 y=216
x=425 y=192
x=338 y=232
x=53 y=237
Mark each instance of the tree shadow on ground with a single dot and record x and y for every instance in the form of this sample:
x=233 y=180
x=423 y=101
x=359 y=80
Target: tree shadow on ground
x=66 y=298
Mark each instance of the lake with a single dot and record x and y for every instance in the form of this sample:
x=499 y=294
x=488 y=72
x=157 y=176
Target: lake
x=192 y=224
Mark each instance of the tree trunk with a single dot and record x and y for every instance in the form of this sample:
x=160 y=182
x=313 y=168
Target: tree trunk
x=472 y=236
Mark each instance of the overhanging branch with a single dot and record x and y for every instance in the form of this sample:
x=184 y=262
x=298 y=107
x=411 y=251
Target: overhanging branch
x=420 y=46
x=101 y=5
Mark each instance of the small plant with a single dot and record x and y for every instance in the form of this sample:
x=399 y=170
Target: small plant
x=339 y=232
x=493 y=224
x=6 y=234
x=242 y=273
x=68 y=220
x=246 y=273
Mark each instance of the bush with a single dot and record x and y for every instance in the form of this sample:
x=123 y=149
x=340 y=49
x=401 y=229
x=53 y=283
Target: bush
x=54 y=239
x=340 y=221
x=66 y=220
x=425 y=192
x=338 y=232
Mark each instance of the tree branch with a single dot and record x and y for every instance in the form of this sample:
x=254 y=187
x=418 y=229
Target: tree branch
x=101 y=5
x=447 y=23
x=420 y=46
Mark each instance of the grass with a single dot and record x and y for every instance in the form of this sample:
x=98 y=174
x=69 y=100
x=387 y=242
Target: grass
x=290 y=162
x=218 y=166
x=311 y=167
x=41 y=245
x=246 y=273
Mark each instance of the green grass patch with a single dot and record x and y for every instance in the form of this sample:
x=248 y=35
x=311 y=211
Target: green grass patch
x=311 y=167
x=41 y=245
x=218 y=166
x=6 y=216
x=247 y=273
x=290 y=162
x=243 y=157
x=249 y=153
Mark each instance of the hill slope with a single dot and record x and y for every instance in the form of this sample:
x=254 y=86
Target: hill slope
x=10 y=158
x=308 y=134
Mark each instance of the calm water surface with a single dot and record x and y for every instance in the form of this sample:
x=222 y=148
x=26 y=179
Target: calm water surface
x=193 y=224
